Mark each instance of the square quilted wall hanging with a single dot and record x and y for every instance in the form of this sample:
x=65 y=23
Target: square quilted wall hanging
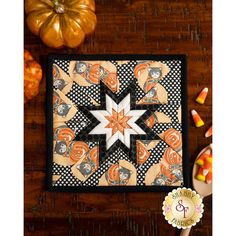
x=116 y=122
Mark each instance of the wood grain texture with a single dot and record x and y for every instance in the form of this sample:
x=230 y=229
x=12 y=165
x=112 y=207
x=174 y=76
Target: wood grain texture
x=138 y=26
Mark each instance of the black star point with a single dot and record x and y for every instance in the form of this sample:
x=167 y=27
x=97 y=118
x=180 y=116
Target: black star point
x=101 y=138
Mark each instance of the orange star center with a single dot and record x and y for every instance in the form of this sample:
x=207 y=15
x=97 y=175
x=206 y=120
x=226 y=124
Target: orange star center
x=118 y=121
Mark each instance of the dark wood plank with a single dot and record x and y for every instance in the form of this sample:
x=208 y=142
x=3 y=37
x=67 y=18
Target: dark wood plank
x=125 y=26
x=118 y=214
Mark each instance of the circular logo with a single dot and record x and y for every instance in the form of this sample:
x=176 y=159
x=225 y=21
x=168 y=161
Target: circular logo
x=182 y=208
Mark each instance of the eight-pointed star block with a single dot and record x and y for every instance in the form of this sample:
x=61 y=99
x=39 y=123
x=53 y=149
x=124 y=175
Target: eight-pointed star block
x=117 y=121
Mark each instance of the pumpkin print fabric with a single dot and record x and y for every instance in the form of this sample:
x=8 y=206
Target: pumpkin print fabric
x=116 y=123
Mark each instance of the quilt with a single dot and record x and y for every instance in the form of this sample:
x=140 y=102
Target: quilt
x=116 y=122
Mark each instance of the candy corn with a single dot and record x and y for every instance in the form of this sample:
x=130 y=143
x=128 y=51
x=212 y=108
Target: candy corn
x=197 y=119
x=205 y=166
x=202 y=96
x=201 y=159
x=200 y=175
x=208 y=178
x=209 y=132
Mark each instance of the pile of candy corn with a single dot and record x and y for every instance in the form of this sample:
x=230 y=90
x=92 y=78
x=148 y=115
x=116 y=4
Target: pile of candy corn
x=196 y=117
x=205 y=166
x=205 y=160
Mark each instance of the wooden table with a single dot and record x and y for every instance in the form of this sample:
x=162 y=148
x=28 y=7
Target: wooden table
x=138 y=26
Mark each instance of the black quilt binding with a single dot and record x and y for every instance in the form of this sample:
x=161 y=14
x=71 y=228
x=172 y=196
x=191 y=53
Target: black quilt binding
x=102 y=149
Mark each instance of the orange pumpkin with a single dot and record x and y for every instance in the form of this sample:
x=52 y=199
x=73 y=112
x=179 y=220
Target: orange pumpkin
x=32 y=76
x=142 y=152
x=172 y=157
x=112 y=82
x=77 y=150
x=165 y=171
x=89 y=163
x=94 y=74
x=173 y=138
x=64 y=133
x=61 y=22
x=139 y=69
x=113 y=175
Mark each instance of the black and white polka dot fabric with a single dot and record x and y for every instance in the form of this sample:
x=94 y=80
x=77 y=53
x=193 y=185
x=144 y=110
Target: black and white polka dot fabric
x=79 y=95
x=66 y=177
x=125 y=75
x=63 y=64
x=162 y=127
x=78 y=122
x=94 y=92
x=139 y=93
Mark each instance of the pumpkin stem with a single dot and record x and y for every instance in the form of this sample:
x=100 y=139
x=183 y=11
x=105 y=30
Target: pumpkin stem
x=59 y=8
